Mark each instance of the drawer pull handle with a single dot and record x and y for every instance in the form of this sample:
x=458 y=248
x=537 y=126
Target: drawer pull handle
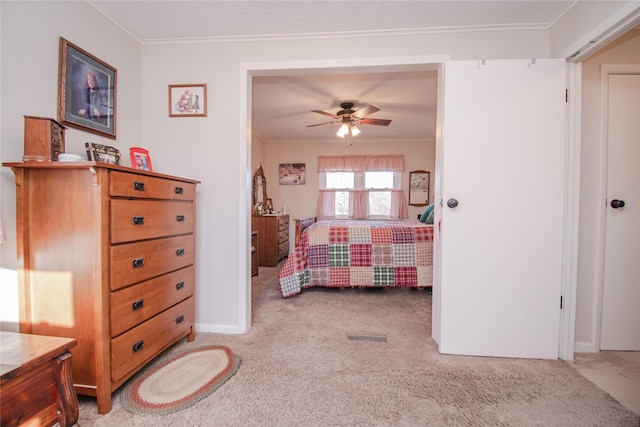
x=138 y=346
x=179 y=286
x=179 y=252
x=138 y=220
x=179 y=190
x=138 y=186
x=180 y=218
x=137 y=262
x=137 y=305
x=179 y=319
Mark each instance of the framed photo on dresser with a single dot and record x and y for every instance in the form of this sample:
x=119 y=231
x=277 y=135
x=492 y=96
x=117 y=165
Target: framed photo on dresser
x=140 y=159
x=102 y=153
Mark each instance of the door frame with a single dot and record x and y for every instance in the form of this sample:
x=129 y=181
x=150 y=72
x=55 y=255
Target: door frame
x=606 y=70
x=290 y=68
x=591 y=42
x=569 y=281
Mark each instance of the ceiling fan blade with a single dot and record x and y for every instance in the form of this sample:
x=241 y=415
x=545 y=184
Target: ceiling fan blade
x=320 y=124
x=379 y=122
x=325 y=113
x=364 y=112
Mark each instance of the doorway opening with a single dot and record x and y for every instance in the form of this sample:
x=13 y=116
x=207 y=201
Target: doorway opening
x=248 y=72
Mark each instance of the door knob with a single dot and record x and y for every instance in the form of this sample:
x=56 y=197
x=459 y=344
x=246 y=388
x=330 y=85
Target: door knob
x=452 y=203
x=615 y=203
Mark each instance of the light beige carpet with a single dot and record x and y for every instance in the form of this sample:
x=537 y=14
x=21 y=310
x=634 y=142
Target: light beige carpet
x=300 y=369
x=617 y=372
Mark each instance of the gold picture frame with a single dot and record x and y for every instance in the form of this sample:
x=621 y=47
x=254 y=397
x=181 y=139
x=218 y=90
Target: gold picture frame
x=188 y=100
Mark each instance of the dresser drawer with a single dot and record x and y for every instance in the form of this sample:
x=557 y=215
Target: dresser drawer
x=283 y=223
x=145 y=219
x=283 y=236
x=135 y=304
x=134 y=262
x=283 y=249
x=135 y=347
x=125 y=184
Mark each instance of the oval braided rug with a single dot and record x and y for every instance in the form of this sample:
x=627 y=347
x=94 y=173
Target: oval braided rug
x=180 y=382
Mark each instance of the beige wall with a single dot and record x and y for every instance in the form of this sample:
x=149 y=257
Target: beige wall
x=625 y=50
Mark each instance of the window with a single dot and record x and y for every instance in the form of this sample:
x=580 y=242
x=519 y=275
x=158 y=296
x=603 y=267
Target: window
x=361 y=187
x=342 y=182
x=377 y=184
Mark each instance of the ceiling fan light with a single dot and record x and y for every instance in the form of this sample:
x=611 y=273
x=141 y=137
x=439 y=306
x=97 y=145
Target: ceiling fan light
x=343 y=131
x=354 y=130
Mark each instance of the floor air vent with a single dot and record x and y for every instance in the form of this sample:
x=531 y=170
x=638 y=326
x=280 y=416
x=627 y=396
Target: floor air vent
x=374 y=338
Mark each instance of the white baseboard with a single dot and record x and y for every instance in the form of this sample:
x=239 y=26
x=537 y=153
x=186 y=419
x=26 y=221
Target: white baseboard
x=218 y=329
x=584 y=347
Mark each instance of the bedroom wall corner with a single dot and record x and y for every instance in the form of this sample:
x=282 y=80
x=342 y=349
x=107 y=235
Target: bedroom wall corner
x=30 y=34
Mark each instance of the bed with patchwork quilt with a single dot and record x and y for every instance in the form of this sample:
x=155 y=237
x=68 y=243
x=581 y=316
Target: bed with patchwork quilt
x=352 y=253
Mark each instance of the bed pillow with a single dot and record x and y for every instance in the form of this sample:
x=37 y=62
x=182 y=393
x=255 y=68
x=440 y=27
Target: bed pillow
x=428 y=211
x=430 y=217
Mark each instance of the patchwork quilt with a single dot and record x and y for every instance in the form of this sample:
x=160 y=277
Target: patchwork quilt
x=346 y=253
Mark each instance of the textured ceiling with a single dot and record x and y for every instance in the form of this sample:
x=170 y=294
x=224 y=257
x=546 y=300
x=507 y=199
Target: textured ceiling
x=153 y=20
x=281 y=106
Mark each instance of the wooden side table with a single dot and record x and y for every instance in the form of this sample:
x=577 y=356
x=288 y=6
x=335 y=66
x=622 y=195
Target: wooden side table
x=36 y=384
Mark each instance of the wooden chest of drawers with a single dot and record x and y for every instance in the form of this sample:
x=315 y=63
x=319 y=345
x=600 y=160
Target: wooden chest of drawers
x=106 y=256
x=273 y=241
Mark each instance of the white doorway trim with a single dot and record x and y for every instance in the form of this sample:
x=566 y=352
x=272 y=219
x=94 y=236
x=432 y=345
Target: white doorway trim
x=605 y=71
x=284 y=68
x=572 y=213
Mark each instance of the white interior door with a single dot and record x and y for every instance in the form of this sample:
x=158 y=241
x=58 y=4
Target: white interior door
x=621 y=289
x=503 y=160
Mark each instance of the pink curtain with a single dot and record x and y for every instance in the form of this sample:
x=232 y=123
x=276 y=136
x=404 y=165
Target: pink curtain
x=358 y=204
x=385 y=163
x=398 y=205
x=326 y=206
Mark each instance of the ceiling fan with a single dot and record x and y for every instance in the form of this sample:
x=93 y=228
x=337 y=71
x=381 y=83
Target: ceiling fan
x=349 y=118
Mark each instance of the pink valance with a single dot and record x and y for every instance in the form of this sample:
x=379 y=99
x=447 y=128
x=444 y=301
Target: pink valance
x=385 y=163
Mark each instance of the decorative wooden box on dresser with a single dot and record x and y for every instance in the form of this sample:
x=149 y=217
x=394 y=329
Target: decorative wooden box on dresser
x=273 y=240
x=106 y=255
